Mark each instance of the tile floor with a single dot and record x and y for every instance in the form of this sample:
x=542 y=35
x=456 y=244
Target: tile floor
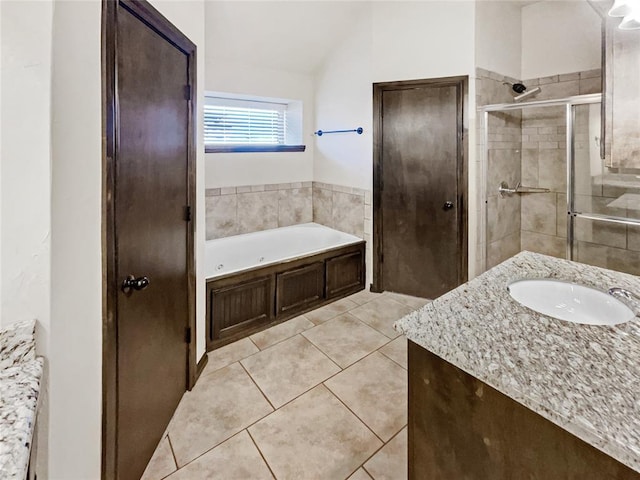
x=321 y=396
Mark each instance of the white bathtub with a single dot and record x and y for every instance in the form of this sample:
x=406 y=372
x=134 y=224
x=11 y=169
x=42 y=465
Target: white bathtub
x=243 y=252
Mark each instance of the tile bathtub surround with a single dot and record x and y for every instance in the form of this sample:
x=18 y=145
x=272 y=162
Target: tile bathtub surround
x=583 y=378
x=340 y=389
x=237 y=210
x=346 y=209
x=252 y=208
x=342 y=208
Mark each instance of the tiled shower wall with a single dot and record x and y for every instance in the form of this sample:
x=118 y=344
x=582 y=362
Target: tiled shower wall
x=246 y=209
x=527 y=146
x=502 y=226
x=544 y=161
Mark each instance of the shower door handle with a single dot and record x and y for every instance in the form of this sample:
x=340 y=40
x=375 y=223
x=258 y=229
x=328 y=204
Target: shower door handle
x=447 y=205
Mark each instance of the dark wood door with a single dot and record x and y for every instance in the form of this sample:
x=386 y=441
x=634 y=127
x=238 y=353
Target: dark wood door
x=419 y=211
x=151 y=193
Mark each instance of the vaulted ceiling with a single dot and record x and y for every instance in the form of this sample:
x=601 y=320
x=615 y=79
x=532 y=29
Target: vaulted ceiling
x=287 y=35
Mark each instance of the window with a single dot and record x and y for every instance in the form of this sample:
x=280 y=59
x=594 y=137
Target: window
x=234 y=124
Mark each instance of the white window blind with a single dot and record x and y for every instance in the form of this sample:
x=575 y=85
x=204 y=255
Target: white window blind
x=244 y=122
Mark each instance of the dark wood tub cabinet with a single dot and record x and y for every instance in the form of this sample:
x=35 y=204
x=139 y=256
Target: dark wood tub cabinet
x=243 y=303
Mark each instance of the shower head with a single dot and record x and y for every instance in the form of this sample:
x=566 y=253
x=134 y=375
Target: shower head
x=520 y=91
x=526 y=94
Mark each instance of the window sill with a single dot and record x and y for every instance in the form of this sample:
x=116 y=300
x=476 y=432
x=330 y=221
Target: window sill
x=253 y=148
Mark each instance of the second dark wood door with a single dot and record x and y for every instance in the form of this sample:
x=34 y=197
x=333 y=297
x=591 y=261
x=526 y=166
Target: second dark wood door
x=420 y=205
x=151 y=193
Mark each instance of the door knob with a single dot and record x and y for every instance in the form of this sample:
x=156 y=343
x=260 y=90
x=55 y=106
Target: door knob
x=133 y=283
x=448 y=205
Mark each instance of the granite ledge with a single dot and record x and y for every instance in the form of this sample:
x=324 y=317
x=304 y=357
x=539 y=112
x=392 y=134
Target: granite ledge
x=19 y=393
x=584 y=378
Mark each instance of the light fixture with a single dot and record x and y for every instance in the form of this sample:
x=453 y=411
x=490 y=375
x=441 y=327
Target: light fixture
x=620 y=8
x=631 y=21
x=630 y=10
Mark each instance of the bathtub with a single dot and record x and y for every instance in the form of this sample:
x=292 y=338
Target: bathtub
x=224 y=256
x=256 y=280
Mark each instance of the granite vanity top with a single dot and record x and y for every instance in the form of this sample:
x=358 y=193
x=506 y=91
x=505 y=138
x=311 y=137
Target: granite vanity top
x=584 y=378
x=20 y=377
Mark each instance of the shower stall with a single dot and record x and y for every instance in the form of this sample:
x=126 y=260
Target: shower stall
x=547 y=190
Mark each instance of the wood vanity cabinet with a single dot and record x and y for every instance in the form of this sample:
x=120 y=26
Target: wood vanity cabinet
x=461 y=428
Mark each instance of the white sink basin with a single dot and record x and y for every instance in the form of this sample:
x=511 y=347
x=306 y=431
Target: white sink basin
x=570 y=302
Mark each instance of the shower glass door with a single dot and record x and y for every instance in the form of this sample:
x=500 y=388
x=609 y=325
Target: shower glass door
x=604 y=200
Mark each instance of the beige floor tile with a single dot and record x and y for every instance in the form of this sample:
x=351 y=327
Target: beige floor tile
x=314 y=437
x=381 y=314
x=219 y=406
x=397 y=351
x=229 y=354
x=327 y=312
x=345 y=339
x=408 y=300
x=363 y=296
x=375 y=389
x=360 y=474
x=162 y=462
x=289 y=369
x=285 y=330
x=390 y=463
x=236 y=459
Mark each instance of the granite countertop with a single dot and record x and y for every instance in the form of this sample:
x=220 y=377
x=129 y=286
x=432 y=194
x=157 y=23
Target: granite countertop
x=584 y=378
x=20 y=377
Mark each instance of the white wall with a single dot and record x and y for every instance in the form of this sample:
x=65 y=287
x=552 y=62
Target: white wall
x=234 y=169
x=499 y=37
x=395 y=40
x=76 y=267
x=76 y=207
x=559 y=37
x=413 y=40
x=25 y=251
x=343 y=100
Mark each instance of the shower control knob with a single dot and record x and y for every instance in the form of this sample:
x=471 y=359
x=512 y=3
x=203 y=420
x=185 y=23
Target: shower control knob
x=448 y=205
x=133 y=283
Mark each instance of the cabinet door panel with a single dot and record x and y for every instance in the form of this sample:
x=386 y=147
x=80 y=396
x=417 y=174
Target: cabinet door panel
x=345 y=273
x=300 y=288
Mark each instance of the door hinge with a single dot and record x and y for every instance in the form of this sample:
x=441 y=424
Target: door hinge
x=187 y=213
x=187 y=92
x=187 y=334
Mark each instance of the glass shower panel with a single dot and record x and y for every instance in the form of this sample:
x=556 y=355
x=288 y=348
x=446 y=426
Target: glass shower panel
x=544 y=181
x=503 y=165
x=606 y=201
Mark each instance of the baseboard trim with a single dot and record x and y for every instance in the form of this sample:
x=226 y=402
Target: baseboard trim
x=201 y=364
